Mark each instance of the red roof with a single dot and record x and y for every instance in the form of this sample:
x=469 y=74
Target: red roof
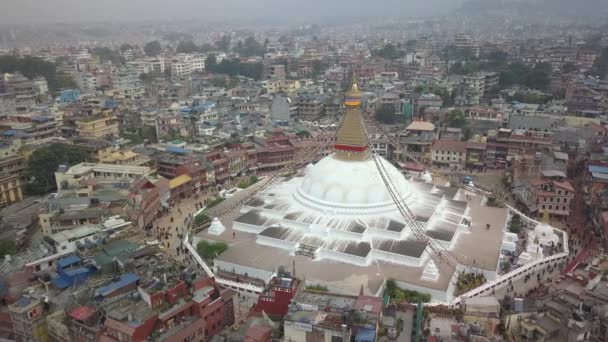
x=369 y=304
x=258 y=333
x=564 y=185
x=82 y=313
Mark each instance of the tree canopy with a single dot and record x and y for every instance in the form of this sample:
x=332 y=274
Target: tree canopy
x=386 y=114
x=31 y=67
x=536 y=77
x=250 y=47
x=43 y=163
x=389 y=51
x=186 y=46
x=235 y=67
x=456 y=119
x=153 y=48
x=105 y=54
x=224 y=44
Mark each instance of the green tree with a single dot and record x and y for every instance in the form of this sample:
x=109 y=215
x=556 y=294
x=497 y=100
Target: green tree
x=250 y=47
x=206 y=48
x=186 y=46
x=32 y=67
x=234 y=67
x=210 y=250
x=456 y=119
x=389 y=51
x=318 y=68
x=211 y=62
x=201 y=219
x=386 y=114
x=148 y=133
x=105 y=54
x=224 y=44
x=65 y=81
x=43 y=163
x=568 y=68
x=150 y=76
x=126 y=47
x=7 y=247
x=303 y=134
x=153 y=48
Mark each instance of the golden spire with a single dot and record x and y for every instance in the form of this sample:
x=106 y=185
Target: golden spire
x=351 y=142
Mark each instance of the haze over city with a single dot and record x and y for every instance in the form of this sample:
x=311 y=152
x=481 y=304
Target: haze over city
x=303 y=171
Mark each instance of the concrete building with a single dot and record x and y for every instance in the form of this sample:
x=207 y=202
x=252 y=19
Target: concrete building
x=8 y=104
x=75 y=175
x=448 y=153
x=98 y=127
x=28 y=315
x=10 y=189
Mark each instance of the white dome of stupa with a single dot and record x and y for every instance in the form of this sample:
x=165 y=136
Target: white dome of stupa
x=341 y=184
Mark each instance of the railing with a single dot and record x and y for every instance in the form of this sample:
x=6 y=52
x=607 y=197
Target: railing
x=504 y=279
x=230 y=283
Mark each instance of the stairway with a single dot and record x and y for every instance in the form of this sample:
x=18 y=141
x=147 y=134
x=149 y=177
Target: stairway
x=306 y=250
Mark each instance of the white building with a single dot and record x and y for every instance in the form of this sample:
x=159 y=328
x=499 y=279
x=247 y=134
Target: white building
x=67 y=177
x=69 y=240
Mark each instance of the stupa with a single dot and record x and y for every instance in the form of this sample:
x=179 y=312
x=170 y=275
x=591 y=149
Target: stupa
x=339 y=224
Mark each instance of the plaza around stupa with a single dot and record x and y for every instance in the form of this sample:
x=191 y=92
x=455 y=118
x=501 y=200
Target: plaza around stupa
x=337 y=223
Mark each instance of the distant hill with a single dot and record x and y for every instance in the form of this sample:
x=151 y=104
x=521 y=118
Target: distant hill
x=578 y=10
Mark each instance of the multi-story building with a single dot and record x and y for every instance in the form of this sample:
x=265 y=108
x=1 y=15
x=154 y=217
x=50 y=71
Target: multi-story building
x=145 y=202
x=10 y=189
x=309 y=107
x=448 y=153
x=581 y=98
x=23 y=90
x=98 y=127
x=8 y=104
x=276 y=72
x=75 y=175
x=28 y=315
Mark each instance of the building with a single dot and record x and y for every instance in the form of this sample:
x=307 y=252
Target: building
x=337 y=220
x=75 y=175
x=8 y=104
x=145 y=202
x=277 y=295
x=96 y=128
x=10 y=189
x=309 y=107
x=448 y=153
x=28 y=315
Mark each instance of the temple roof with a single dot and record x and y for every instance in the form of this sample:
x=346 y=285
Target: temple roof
x=352 y=142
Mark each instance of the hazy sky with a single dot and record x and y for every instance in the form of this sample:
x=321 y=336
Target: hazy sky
x=29 y=11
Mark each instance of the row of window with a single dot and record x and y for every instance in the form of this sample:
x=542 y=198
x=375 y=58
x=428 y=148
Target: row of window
x=557 y=200
x=556 y=207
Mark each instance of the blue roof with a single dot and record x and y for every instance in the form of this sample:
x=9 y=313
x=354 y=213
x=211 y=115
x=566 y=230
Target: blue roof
x=68 y=261
x=62 y=282
x=365 y=335
x=125 y=279
x=598 y=169
x=174 y=149
x=77 y=271
x=23 y=301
